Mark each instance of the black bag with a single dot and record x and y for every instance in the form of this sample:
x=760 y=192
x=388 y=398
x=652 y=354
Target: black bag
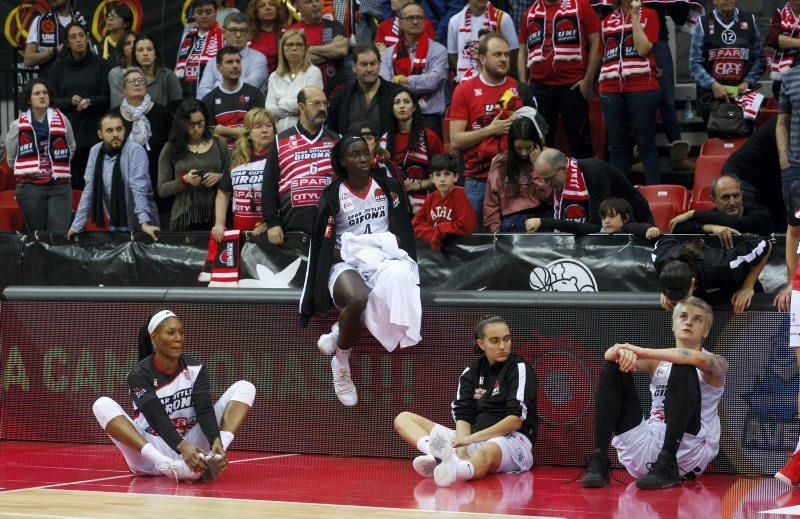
x=727 y=119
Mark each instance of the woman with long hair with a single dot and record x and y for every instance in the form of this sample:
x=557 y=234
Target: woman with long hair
x=268 y=20
x=176 y=432
x=513 y=191
x=124 y=52
x=190 y=167
x=294 y=73
x=162 y=83
x=245 y=178
x=38 y=148
x=411 y=146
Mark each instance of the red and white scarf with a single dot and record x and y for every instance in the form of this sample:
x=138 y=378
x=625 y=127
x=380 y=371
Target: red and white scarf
x=393 y=38
x=784 y=58
x=618 y=26
x=467 y=47
x=561 y=52
x=412 y=165
x=573 y=201
x=222 y=261
x=190 y=62
x=28 y=161
x=750 y=103
x=401 y=57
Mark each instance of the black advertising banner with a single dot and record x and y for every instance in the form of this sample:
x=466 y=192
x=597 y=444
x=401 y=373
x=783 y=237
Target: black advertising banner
x=539 y=262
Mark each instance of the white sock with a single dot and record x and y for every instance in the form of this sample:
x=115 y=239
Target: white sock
x=226 y=437
x=464 y=470
x=152 y=454
x=423 y=445
x=342 y=358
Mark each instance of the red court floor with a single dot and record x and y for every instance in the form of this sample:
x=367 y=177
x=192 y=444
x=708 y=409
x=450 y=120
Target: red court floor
x=386 y=484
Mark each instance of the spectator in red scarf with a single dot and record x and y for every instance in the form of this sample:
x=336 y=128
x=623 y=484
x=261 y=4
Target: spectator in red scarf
x=199 y=46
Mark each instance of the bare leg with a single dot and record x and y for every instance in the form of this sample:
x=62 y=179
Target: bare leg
x=412 y=427
x=234 y=416
x=486 y=460
x=122 y=430
x=351 y=294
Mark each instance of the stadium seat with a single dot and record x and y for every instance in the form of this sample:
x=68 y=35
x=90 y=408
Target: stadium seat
x=663 y=213
x=707 y=168
x=90 y=225
x=11 y=219
x=722 y=147
x=676 y=195
x=701 y=199
x=597 y=128
x=6 y=175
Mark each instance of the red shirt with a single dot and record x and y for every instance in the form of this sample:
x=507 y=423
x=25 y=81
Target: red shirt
x=384 y=33
x=565 y=72
x=439 y=217
x=636 y=82
x=267 y=44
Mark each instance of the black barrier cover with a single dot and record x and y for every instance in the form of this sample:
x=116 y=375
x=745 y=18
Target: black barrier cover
x=11 y=259
x=540 y=262
x=58 y=357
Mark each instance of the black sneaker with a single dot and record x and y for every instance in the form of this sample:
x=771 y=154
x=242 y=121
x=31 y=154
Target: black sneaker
x=663 y=474
x=598 y=470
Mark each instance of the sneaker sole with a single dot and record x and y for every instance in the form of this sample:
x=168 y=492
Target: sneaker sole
x=424 y=468
x=442 y=451
x=783 y=479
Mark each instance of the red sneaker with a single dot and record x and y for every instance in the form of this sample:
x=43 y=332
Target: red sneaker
x=790 y=473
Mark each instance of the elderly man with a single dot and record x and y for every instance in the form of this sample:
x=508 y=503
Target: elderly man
x=118 y=185
x=418 y=63
x=254 y=65
x=580 y=186
x=298 y=168
x=327 y=44
x=368 y=97
x=728 y=218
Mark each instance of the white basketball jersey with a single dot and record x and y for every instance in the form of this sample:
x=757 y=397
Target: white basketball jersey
x=358 y=215
x=709 y=399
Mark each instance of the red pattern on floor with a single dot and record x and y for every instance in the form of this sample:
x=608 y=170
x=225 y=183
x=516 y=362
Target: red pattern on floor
x=380 y=482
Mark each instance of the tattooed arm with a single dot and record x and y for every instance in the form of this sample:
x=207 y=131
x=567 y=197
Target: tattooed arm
x=713 y=366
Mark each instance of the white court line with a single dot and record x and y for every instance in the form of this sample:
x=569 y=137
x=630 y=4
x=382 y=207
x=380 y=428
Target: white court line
x=49 y=516
x=129 y=475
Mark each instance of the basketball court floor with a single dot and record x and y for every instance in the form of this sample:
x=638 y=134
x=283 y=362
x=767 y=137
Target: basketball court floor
x=80 y=481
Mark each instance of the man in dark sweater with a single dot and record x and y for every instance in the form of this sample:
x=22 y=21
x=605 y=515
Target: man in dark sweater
x=730 y=215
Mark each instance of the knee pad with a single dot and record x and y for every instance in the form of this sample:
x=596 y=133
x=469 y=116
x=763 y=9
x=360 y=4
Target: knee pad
x=244 y=391
x=105 y=409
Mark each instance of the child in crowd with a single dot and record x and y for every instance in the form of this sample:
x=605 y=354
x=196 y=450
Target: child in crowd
x=446 y=211
x=615 y=214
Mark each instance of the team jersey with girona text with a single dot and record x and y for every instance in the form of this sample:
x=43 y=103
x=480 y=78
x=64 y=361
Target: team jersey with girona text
x=244 y=183
x=361 y=213
x=175 y=391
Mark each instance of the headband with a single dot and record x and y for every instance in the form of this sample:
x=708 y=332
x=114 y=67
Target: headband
x=538 y=120
x=158 y=319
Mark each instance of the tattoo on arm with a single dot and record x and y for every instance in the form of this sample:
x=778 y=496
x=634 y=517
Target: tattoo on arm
x=684 y=354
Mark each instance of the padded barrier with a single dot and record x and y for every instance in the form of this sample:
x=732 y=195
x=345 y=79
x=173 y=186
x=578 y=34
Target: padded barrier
x=61 y=348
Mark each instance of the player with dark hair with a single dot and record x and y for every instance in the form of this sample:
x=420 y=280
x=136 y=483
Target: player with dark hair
x=681 y=435
x=175 y=430
x=494 y=412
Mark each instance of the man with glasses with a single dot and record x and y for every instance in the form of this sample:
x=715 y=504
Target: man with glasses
x=388 y=32
x=298 y=168
x=368 y=97
x=419 y=64
x=236 y=31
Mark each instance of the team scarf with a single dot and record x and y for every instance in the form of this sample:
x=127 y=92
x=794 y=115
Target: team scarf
x=189 y=63
x=50 y=30
x=394 y=37
x=140 y=124
x=412 y=164
x=401 y=57
x=561 y=52
x=751 y=103
x=573 y=202
x=466 y=66
x=27 y=162
x=784 y=59
x=615 y=65
x=221 y=268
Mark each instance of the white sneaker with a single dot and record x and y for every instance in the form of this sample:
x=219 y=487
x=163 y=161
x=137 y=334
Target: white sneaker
x=177 y=469
x=212 y=466
x=328 y=342
x=446 y=461
x=424 y=465
x=343 y=385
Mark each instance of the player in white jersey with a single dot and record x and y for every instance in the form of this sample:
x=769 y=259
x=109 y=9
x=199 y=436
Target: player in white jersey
x=681 y=436
x=175 y=431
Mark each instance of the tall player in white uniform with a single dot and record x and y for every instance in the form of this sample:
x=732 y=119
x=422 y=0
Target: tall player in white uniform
x=681 y=436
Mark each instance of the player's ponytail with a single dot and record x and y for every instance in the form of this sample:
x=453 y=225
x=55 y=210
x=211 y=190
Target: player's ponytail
x=677 y=275
x=145 y=343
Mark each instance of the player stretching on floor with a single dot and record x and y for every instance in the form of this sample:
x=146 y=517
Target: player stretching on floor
x=495 y=414
x=174 y=423
x=681 y=436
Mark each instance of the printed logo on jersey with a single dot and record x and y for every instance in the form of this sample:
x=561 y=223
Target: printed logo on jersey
x=138 y=391
x=379 y=195
x=308 y=190
x=575 y=213
x=728 y=37
x=479 y=392
x=496 y=389
x=177 y=401
x=370 y=213
x=395 y=200
x=564 y=275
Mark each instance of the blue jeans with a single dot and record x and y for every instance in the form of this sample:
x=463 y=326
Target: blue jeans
x=669 y=117
x=45 y=208
x=633 y=112
x=514 y=223
x=476 y=191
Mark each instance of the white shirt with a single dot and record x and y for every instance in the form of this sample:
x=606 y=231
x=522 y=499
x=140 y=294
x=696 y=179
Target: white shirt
x=33 y=31
x=461 y=43
x=282 y=95
x=357 y=215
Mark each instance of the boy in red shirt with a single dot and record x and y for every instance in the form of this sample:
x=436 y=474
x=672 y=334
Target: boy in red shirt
x=445 y=211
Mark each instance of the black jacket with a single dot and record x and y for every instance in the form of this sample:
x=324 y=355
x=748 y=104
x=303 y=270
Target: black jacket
x=754 y=220
x=339 y=112
x=315 y=298
x=488 y=393
x=604 y=181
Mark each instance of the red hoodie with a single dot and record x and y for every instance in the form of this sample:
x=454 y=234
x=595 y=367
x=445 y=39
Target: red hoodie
x=439 y=217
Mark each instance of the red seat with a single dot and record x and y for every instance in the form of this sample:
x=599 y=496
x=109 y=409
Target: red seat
x=722 y=147
x=678 y=196
x=6 y=175
x=663 y=213
x=597 y=128
x=701 y=199
x=90 y=225
x=11 y=219
x=707 y=168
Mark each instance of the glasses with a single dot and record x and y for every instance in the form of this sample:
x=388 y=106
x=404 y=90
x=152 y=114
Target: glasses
x=112 y=15
x=197 y=124
x=236 y=31
x=135 y=81
x=317 y=103
x=414 y=18
x=294 y=45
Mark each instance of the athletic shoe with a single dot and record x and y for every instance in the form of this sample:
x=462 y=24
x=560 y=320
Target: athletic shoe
x=343 y=385
x=446 y=461
x=213 y=466
x=663 y=474
x=328 y=342
x=424 y=465
x=177 y=469
x=598 y=471
x=790 y=473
